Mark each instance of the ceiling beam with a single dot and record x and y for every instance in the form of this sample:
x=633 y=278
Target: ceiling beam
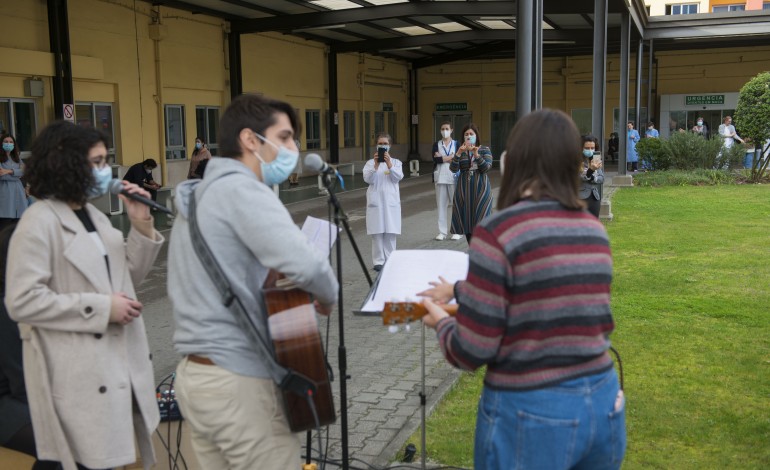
x=715 y=24
x=179 y=5
x=580 y=35
x=328 y=18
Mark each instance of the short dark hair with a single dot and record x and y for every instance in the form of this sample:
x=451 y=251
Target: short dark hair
x=650 y=124
x=58 y=166
x=14 y=152
x=251 y=112
x=151 y=163
x=475 y=130
x=543 y=155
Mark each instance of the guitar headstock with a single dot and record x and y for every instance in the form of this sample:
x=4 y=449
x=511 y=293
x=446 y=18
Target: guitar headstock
x=395 y=313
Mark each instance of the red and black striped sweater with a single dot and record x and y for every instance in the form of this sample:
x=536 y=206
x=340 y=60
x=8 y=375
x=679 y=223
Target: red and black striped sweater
x=535 y=307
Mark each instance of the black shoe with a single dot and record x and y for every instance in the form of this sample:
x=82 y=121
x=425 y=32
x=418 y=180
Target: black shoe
x=378 y=267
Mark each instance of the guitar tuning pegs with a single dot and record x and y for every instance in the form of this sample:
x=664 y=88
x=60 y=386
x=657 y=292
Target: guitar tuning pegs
x=392 y=328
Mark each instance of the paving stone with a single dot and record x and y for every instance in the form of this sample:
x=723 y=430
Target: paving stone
x=366 y=398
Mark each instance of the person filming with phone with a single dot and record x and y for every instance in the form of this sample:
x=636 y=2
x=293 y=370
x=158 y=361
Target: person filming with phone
x=591 y=175
x=473 y=192
x=383 y=201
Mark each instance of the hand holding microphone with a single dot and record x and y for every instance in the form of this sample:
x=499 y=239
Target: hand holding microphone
x=137 y=194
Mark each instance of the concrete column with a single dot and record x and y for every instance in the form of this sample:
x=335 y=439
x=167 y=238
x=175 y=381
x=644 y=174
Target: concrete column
x=59 y=41
x=537 y=54
x=625 y=42
x=334 y=114
x=524 y=38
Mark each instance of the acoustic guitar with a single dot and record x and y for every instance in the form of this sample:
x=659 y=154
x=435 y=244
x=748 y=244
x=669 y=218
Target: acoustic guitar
x=298 y=347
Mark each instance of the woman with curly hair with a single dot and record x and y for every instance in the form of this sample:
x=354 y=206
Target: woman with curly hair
x=13 y=200
x=70 y=285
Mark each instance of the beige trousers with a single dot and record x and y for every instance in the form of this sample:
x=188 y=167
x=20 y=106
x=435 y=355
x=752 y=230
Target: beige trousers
x=237 y=422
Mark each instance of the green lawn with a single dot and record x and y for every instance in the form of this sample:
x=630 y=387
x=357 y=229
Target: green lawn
x=690 y=300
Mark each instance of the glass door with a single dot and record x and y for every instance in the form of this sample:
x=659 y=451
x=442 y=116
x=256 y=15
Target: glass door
x=502 y=123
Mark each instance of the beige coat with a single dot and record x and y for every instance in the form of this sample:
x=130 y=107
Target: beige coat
x=79 y=370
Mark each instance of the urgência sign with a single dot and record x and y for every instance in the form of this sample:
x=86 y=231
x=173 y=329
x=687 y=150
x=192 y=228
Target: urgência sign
x=703 y=99
x=451 y=106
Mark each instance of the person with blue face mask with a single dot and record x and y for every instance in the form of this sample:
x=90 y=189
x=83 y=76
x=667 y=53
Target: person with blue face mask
x=383 y=200
x=473 y=191
x=223 y=383
x=13 y=200
x=200 y=154
x=70 y=285
x=591 y=175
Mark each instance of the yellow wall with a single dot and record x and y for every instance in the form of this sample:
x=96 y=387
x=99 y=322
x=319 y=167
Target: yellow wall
x=117 y=59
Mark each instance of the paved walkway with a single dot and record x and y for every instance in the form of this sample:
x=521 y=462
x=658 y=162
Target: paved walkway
x=385 y=369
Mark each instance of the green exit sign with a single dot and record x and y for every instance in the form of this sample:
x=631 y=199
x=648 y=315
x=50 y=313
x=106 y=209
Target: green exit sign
x=451 y=106
x=703 y=99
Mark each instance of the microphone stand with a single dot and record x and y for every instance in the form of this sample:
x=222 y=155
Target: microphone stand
x=329 y=182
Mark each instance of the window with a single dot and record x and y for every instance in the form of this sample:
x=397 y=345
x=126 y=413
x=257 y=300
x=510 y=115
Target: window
x=175 y=135
x=18 y=117
x=726 y=8
x=583 y=118
x=766 y=6
x=379 y=123
x=312 y=129
x=617 y=126
x=392 y=126
x=99 y=116
x=683 y=9
x=349 y=124
x=206 y=126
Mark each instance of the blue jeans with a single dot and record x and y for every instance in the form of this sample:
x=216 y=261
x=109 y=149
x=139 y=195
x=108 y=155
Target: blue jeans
x=571 y=425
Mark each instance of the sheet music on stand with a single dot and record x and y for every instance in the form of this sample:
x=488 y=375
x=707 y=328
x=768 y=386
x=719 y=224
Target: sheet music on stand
x=408 y=272
x=320 y=233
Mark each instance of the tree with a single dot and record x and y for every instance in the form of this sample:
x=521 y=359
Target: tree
x=752 y=116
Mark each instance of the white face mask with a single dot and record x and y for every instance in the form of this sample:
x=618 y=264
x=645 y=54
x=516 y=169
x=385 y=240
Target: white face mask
x=446 y=133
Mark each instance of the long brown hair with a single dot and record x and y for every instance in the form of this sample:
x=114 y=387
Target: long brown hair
x=543 y=159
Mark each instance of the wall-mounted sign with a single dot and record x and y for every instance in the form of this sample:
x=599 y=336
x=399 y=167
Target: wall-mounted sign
x=696 y=100
x=451 y=106
x=387 y=107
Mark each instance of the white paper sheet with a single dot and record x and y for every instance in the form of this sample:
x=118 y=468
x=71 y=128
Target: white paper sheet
x=408 y=272
x=319 y=234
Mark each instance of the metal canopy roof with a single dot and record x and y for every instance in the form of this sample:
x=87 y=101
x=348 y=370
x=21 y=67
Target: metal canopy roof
x=428 y=33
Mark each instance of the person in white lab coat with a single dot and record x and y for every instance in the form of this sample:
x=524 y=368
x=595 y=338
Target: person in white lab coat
x=383 y=201
x=443 y=151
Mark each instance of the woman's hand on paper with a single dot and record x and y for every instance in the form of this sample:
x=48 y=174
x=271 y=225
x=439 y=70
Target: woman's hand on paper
x=441 y=292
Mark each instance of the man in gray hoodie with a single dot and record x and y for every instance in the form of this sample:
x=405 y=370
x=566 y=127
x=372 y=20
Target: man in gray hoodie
x=223 y=384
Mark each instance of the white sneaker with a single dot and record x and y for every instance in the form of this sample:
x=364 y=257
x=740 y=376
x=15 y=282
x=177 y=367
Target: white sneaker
x=456 y=236
x=440 y=237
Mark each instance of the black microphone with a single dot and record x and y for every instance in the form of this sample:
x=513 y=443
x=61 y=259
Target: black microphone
x=316 y=163
x=116 y=187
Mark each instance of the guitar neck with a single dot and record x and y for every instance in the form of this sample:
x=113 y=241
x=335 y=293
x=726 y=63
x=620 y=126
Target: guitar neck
x=407 y=312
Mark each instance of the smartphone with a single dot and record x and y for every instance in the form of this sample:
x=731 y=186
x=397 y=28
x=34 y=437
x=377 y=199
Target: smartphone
x=597 y=157
x=380 y=154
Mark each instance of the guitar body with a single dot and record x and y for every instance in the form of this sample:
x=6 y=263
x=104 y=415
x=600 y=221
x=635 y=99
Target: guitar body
x=298 y=347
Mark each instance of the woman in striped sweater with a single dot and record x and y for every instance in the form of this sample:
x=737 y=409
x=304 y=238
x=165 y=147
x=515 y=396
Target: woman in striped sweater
x=535 y=309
